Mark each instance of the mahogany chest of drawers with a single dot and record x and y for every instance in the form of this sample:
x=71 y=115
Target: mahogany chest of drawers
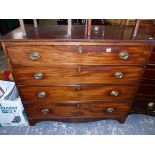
x=78 y=80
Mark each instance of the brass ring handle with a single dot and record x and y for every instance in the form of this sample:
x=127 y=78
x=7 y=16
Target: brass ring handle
x=45 y=111
x=118 y=75
x=110 y=110
x=42 y=94
x=34 y=56
x=151 y=105
x=38 y=76
x=114 y=93
x=124 y=55
x=80 y=49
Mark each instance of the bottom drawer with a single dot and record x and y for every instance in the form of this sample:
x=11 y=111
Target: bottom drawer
x=95 y=109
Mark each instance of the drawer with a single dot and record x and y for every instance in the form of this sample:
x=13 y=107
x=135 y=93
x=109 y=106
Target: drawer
x=77 y=93
x=146 y=91
x=95 y=109
x=84 y=55
x=60 y=75
x=144 y=104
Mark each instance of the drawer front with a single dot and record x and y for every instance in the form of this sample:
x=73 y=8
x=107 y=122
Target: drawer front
x=77 y=93
x=146 y=91
x=144 y=104
x=95 y=109
x=97 y=55
x=77 y=75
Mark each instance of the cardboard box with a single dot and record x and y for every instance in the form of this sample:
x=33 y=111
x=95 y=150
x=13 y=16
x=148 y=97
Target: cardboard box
x=11 y=108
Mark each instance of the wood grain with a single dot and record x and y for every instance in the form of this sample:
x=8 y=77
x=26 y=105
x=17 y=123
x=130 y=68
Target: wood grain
x=82 y=110
x=69 y=74
x=149 y=73
x=71 y=93
x=146 y=91
x=95 y=42
x=96 y=55
x=152 y=58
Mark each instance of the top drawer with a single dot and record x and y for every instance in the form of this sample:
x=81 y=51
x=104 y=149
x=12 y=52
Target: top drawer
x=85 y=55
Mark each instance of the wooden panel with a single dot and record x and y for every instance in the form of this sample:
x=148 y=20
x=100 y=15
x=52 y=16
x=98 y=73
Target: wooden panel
x=147 y=90
x=96 y=55
x=94 y=42
x=77 y=110
x=142 y=103
x=152 y=58
x=149 y=73
x=59 y=33
x=72 y=93
x=59 y=75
